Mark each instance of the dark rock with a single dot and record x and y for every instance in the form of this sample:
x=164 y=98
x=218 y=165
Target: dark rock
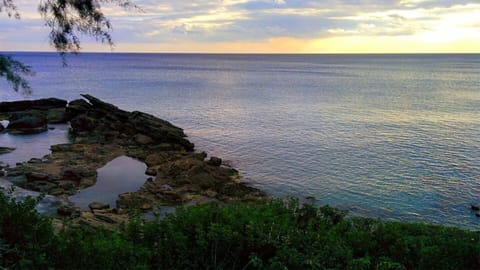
x=82 y=123
x=61 y=147
x=151 y=171
x=28 y=125
x=98 y=206
x=40 y=186
x=104 y=218
x=56 y=191
x=68 y=211
x=56 y=116
x=5 y=150
x=100 y=105
x=146 y=207
x=35 y=161
x=76 y=174
x=2 y=173
x=142 y=139
x=37 y=176
x=77 y=107
x=39 y=104
x=1 y=127
x=475 y=207
x=215 y=161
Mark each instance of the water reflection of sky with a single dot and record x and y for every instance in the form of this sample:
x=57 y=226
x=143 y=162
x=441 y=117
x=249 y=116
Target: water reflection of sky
x=123 y=174
x=32 y=146
x=372 y=133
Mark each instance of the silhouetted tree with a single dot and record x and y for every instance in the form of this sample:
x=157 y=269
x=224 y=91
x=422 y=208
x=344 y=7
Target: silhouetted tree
x=67 y=20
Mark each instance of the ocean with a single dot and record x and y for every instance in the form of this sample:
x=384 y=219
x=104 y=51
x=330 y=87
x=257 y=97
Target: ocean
x=395 y=137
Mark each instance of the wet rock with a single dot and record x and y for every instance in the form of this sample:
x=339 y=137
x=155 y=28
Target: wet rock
x=98 y=206
x=39 y=104
x=475 y=207
x=5 y=150
x=151 y=171
x=2 y=173
x=28 y=125
x=215 y=161
x=35 y=161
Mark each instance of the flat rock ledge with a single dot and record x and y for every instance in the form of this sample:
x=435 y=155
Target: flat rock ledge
x=101 y=132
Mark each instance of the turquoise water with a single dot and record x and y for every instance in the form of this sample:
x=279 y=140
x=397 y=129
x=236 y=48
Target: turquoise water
x=389 y=136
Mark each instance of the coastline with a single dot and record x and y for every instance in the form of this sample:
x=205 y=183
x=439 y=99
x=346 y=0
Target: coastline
x=101 y=132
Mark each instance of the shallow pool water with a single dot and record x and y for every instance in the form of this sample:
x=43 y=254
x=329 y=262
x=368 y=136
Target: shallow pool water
x=47 y=206
x=123 y=174
x=32 y=145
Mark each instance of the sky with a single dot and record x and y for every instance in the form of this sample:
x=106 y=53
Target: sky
x=271 y=26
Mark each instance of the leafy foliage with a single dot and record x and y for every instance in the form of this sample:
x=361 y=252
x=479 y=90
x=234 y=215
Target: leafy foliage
x=268 y=235
x=14 y=72
x=26 y=237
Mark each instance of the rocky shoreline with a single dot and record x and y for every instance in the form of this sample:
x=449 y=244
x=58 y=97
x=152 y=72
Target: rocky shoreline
x=100 y=132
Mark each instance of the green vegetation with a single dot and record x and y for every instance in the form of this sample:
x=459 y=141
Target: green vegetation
x=267 y=235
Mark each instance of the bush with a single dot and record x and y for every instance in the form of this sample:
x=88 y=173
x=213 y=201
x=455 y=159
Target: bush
x=266 y=235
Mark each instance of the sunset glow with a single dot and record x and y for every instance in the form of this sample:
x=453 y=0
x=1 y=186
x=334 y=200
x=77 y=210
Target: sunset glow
x=273 y=26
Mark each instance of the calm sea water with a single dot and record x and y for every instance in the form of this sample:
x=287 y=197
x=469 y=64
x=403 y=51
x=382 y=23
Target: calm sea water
x=388 y=136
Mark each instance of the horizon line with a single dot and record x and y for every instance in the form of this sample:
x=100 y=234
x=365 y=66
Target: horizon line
x=245 y=53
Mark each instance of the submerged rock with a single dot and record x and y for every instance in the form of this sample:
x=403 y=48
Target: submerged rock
x=6 y=150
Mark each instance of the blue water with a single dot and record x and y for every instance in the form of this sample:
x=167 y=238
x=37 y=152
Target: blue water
x=388 y=136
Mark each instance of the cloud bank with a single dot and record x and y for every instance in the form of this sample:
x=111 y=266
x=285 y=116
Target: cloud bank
x=295 y=26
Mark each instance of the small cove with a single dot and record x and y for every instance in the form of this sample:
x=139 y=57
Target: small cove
x=122 y=174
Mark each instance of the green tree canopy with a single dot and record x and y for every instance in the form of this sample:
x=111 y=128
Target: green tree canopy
x=67 y=20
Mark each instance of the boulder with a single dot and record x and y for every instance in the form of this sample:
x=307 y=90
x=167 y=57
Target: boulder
x=68 y=211
x=215 y=161
x=77 y=107
x=28 y=125
x=57 y=116
x=98 y=206
x=39 y=104
x=37 y=176
x=82 y=124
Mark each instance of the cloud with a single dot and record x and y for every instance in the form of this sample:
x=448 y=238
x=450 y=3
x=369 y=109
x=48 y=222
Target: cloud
x=261 y=21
